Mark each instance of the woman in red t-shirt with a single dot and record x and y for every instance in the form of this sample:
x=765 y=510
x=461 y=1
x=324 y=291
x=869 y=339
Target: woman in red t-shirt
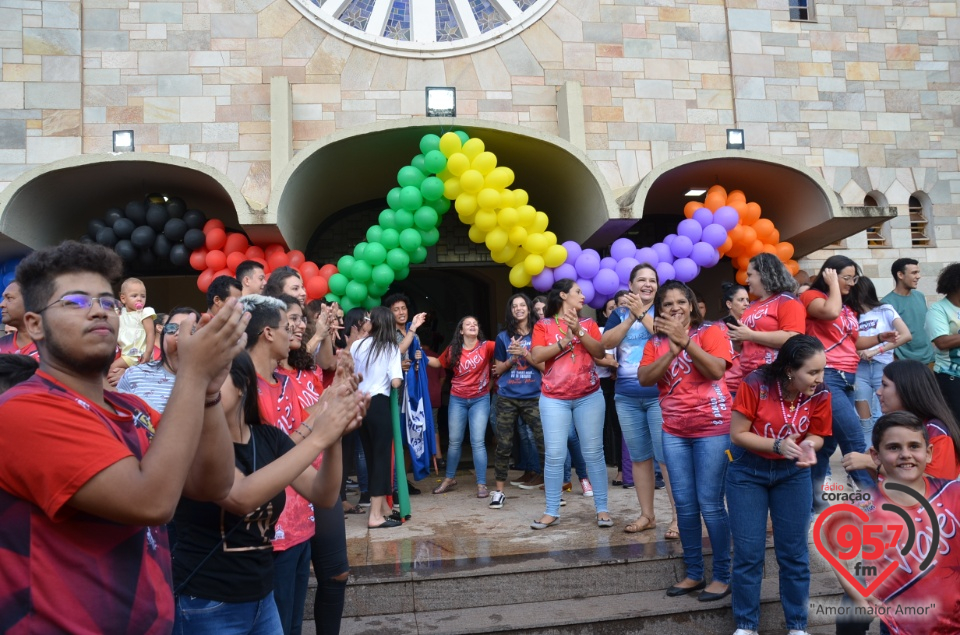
x=470 y=357
x=831 y=320
x=570 y=396
x=687 y=359
x=780 y=416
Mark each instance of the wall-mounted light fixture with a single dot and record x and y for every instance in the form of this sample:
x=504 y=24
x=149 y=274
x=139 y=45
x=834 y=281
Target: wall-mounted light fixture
x=735 y=139
x=696 y=191
x=123 y=140
x=441 y=101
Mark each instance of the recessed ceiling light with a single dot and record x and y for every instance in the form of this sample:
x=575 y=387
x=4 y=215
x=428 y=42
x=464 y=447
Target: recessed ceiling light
x=696 y=191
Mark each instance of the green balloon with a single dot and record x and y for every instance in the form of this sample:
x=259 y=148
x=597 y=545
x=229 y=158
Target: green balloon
x=418 y=162
x=393 y=198
x=382 y=275
x=410 y=241
x=346 y=304
x=409 y=176
x=403 y=219
x=426 y=218
x=356 y=291
x=332 y=297
x=370 y=302
x=464 y=137
x=358 y=251
x=374 y=234
x=390 y=238
x=403 y=274
x=429 y=237
x=361 y=272
x=410 y=196
x=397 y=259
x=375 y=291
x=338 y=284
x=441 y=204
x=431 y=188
x=386 y=219
x=429 y=142
x=418 y=255
x=374 y=254
x=435 y=161
x=345 y=265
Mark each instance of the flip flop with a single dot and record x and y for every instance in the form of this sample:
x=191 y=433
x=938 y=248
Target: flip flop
x=354 y=510
x=637 y=526
x=539 y=525
x=672 y=533
x=445 y=486
x=387 y=524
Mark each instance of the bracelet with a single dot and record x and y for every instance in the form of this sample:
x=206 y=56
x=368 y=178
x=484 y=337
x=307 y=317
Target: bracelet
x=684 y=347
x=776 y=446
x=301 y=434
x=305 y=425
x=210 y=403
x=636 y=317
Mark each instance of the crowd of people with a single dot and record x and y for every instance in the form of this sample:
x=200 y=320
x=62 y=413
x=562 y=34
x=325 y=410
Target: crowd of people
x=192 y=466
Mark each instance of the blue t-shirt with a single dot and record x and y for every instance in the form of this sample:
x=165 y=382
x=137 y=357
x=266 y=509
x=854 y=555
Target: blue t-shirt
x=522 y=381
x=629 y=354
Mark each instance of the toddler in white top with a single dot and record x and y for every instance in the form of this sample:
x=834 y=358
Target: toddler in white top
x=136 y=335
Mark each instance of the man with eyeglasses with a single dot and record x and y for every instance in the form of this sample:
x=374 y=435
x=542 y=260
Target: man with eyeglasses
x=18 y=342
x=89 y=477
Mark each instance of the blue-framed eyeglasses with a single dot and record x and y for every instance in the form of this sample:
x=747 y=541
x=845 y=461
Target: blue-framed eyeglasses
x=83 y=302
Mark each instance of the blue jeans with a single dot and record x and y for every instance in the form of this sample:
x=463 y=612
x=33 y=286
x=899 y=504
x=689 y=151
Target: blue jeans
x=846 y=430
x=755 y=485
x=291 y=570
x=529 y=457
x=697 y=467
x=641 y=421
x=197 y=616
x=869 y=375
x=476 y=412
x=574 y=458
x=559 y=416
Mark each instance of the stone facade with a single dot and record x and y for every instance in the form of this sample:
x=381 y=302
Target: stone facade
x=868 y=93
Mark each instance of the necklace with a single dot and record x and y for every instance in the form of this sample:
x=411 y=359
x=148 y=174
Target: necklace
x=794 y=408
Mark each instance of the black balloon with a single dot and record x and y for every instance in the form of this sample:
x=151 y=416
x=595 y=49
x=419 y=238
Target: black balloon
x=194 y=239
x=94 y=227
x=137 y=212
x=126 y=251
x=112 y=216
x=161 y=247
x=106 y=237
x=194 y=218
x=143 y=237
x=157 y=217
x=147 y=259
x=86 y=240
x=176 y=207
x=174 y=229
x=123 y=228
x=180 y=255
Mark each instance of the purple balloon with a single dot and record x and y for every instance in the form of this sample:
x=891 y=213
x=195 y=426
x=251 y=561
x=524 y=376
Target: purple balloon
x=543 y=280
x=663 y=253
x=565 y=271
x=715 y=235
x=608 y=263
x=588 y=291
x=690 y=228
x=622 y=248
x=685 y=269
x=669 y=239
x=726 y=217
x=703 y=216
x=598 y=302
x=606 y=282
x=681 y=247
x=665 y=271
x=587 y=265
x=624 y=267
x=648 y=256
x=703 y=253
x=714 y=258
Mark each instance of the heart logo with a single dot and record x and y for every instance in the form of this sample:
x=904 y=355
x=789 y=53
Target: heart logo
x=824 y=549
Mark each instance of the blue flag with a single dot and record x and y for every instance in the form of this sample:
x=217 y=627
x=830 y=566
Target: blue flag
x=419 y=414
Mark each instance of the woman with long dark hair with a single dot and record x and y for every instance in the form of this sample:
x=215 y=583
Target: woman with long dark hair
x=686 y=360
x=378 y=362
x=734 y=299
x=568 y=346
x=285 y=280
x=469 y=358
x=780 y=417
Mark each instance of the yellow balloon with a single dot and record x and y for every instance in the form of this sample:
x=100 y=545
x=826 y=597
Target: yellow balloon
x=505 y=254
x=500 y=178
x=486 y=219
x=522 y=198
x=508 y=218
x=489 y=198
x=445 y=174
x=518 y=257
x=484 y=163
x=471 y=181
x=536 y=243
x=452 y=189
x=477 y=235
x=519 y=234
x=551 y=238
x=449 y=143
x=466 y=204
x=519 y=276
x=533 y=264
x=554 y=256
x=540 y=223
x=526 y=212
x=467 y=219
x=472 y=148
x=506 y=197
x=458 y=163
x=496 y=239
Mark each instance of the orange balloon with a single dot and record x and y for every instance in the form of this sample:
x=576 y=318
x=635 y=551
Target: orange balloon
x=742 y=277
x=754 y=249
x=770 y=249
x=749 y=237
x=725 y=247
x=784 y=251
x=764 y=228
x=735 y=250
x=736 y=234
x=715 y=201
x=720 y=189
x=691 y=207
x=751 y=215
x=736 y=196
x=740 y=206
x=742 y=262
x=793 y=267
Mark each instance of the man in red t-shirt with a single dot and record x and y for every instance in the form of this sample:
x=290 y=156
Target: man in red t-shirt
x=18 y=343
x=88 y=478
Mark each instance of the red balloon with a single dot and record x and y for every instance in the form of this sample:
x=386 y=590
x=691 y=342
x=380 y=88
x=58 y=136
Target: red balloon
x=309 y=270
x=328 y=270
x=254 y=252
x=296 y=258
x=198 y=259
x=203 y=282
x=213 y=223
x=317 y=288
x=216 y=259
x=272 y=249
x=263 y=263
x=236 y=242
x=276 y=260
x=216 y=238
x=234 y=260
x=222 y=272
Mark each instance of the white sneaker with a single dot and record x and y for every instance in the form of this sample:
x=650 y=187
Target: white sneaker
x=796 y=632
x=586 y=487
x=496 y=499
x=743 y=631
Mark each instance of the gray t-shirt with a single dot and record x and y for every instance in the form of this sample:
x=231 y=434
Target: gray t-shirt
x=913 y=311
x=151 y=382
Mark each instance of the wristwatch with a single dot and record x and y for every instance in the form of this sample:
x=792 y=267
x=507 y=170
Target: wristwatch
x=581 y=333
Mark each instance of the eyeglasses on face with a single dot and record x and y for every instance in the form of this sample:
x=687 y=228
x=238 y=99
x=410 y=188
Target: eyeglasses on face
x=173 y=328
x=850 y=279
x=83 y=302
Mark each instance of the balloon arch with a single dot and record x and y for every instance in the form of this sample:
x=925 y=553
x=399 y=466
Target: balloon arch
x=456 y=171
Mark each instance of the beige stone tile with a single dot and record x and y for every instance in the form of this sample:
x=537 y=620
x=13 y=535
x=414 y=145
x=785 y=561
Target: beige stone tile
x=198 y=109
x=316 y=94
x=814 y=69
x=667 y=69
x=856 y=71
x=125 y=114
x=295 y=74
x=902 y=52
x=673 y=14
x=565 y=24
x=579 y=56
x=609 y=50
x=241 y=94
x=264 y=52
x=605 y=113
x=21 y=72
x=241 y=75
x=277 y=19
x=597 y=96
x=423 y=73
x=61 y=123
x=330 y=58
x=359 y=69
x=491 y=72
x=161 y=110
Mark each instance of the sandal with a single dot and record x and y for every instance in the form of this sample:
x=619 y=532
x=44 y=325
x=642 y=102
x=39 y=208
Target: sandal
x=672 y=533
x=482 y=491
x=638 y=525
x=447 y=485
x=353 y=509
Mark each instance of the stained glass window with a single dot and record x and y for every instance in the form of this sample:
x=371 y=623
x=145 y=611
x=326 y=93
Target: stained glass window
x=398 y=21
x=488 y=16
x=523 y=5
x=357 y=13
x=448 y=29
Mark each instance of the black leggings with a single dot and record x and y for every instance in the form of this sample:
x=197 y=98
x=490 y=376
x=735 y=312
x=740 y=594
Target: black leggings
x=328 y=552
x=376 y=435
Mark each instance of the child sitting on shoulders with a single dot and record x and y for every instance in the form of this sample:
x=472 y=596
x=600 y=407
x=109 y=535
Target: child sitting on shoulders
x=136 y=335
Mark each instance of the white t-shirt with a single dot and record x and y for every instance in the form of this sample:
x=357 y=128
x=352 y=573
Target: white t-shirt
x=377 y=373
x=606 y=371
x=879 y=320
